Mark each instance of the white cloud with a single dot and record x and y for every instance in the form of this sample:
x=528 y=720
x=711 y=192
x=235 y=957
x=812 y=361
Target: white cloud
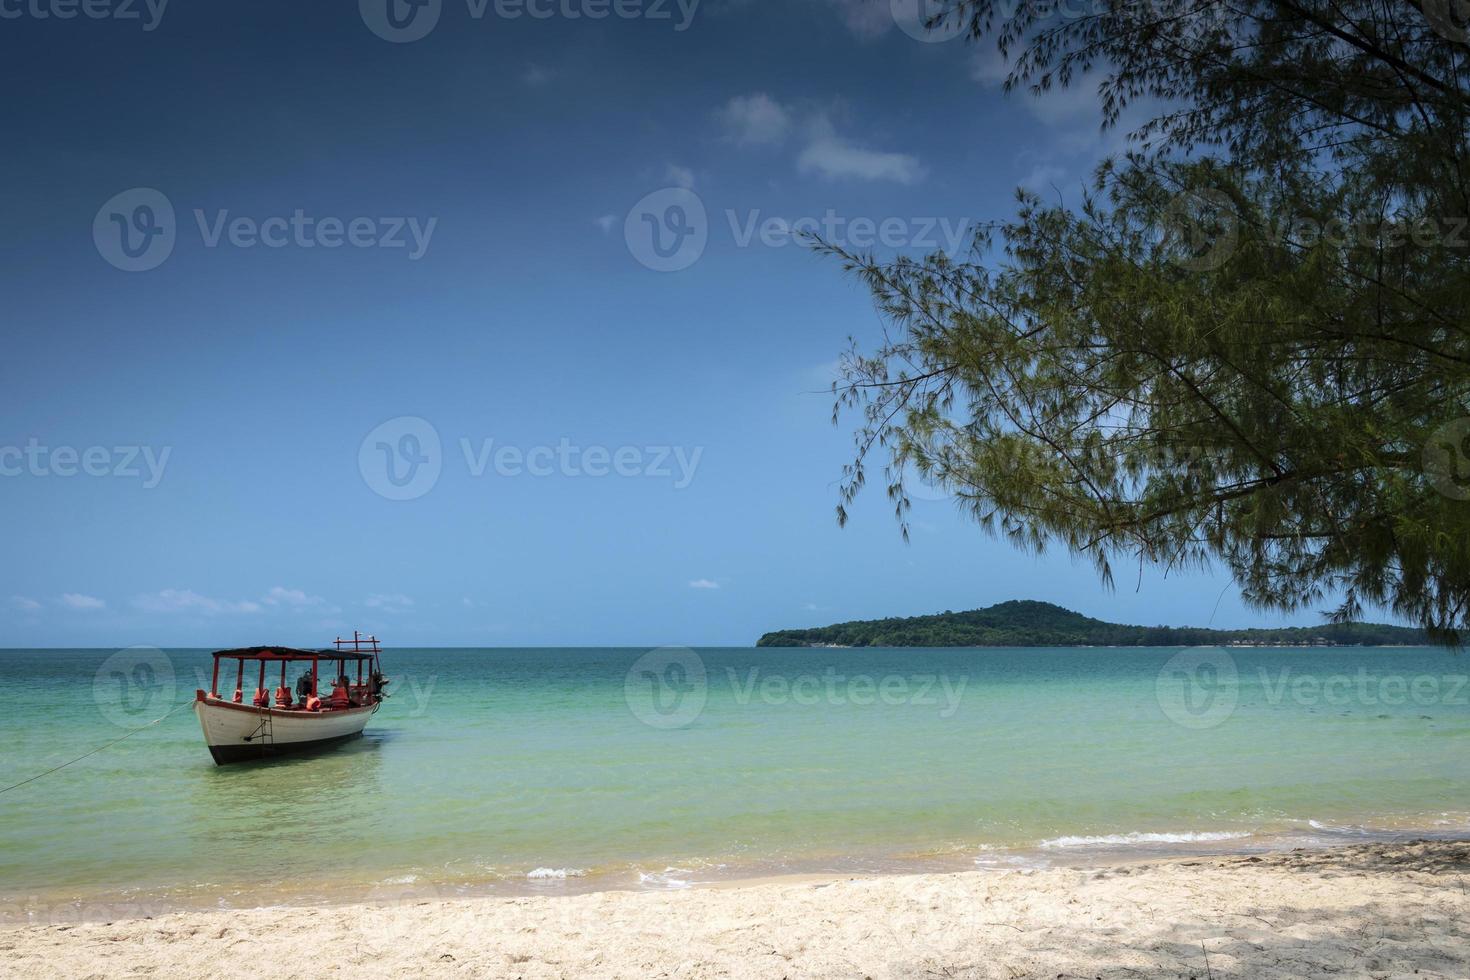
x=189 y=601
x=292 y=598
x=988 y=66
x=1075 y=142
x=704 y=583
x=1043 y=177
x=832 y=156
x=395 y=602
x=867 y=19
x=755 y=120
x=607 y=223
x=75 y=600
x=24 y=603
x=680 y=176
x=1077 y=106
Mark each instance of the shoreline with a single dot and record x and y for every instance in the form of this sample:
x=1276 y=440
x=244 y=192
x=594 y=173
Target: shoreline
x=1377 y=908
x=68 y=907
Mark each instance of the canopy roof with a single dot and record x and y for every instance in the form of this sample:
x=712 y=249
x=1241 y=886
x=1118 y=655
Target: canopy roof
x=288 y=653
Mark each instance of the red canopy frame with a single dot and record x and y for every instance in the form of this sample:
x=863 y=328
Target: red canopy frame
x=361 y=649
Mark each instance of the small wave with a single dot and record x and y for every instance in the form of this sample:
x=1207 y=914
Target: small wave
x=401 y=880
x=556 y=873
x=663 y=879
x=1011 y=862
x=1188 y=837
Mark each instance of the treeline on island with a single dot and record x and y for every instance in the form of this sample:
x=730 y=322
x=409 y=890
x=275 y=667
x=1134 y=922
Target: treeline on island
x=1042 y=624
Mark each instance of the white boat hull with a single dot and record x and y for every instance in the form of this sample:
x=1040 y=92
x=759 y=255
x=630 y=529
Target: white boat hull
x=240 y=732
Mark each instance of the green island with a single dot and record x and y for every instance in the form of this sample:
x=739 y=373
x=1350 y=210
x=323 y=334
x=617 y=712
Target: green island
x=1026 y=623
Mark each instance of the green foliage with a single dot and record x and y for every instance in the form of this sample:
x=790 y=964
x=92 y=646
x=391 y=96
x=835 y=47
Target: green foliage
x=1248 y=344
x=1041 y=624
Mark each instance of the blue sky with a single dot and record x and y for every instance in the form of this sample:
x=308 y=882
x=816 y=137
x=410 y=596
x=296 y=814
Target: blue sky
x=379 y=244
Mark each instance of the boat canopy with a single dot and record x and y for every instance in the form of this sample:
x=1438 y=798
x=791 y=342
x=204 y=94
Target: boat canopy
x=291 y=655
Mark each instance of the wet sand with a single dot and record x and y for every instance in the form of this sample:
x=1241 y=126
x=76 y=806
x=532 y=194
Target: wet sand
x=1379 y=910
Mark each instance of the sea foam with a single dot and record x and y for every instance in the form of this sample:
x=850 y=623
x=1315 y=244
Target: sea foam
x=1187 y=837
x=664 y=879
x=556 y=873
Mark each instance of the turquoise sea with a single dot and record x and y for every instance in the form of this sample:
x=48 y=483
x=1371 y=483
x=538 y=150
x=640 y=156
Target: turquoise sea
x=552 y=770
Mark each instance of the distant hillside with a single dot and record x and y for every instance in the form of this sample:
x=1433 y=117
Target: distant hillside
x=1041 y=624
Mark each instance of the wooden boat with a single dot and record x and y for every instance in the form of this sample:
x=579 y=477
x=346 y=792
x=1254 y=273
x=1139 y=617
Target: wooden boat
x=276 y=723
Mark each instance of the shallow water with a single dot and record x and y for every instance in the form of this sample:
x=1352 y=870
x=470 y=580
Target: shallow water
x=557 y=770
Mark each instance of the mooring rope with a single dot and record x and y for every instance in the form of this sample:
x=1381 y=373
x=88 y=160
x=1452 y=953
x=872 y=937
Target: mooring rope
x=99 y=748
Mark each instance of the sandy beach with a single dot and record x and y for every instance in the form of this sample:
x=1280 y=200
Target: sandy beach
x=1380 y=910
